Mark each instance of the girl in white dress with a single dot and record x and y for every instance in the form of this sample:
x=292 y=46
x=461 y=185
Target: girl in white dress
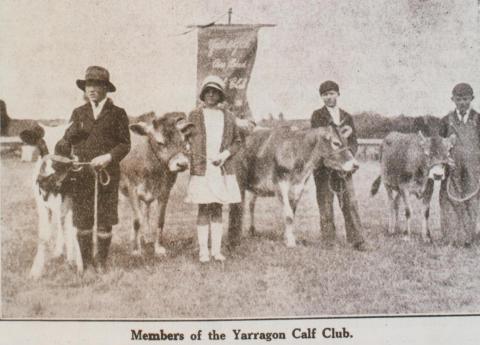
x=212 y=182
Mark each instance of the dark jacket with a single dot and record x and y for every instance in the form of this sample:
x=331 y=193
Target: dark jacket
x=109 y=133
x=445 y=128
x=231 y=141
x=322 y=118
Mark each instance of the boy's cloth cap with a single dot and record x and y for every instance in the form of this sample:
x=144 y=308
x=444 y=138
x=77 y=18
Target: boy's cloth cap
x=462 y=89
x=329 y=86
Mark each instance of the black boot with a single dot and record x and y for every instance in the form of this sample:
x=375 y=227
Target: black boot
x=85 y=243
x=103 y=242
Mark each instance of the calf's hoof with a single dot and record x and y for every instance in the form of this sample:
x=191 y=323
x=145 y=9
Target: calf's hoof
x=234 y=240
x=290 y=242
x=360 y=247
x=136 y=253
x=219 y=257
x=100 y=268
x=427 y=239
x=160 y=250
x=79 y=272
x=204 y=258
x=35 y=274
x=328 y=245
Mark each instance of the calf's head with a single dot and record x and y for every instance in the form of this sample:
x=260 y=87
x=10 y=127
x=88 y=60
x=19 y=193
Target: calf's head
x=52 y=171
x=167 y=138
x=437 y=153
x=333 y=148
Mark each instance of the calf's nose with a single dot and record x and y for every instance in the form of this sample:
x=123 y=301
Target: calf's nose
x=182 y=165
x=356 y=165
x=350 y=166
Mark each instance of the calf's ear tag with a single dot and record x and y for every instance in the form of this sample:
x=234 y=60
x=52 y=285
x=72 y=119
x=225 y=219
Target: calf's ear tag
x=346 y=131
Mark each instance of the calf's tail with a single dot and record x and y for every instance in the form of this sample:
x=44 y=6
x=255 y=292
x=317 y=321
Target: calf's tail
x=235 y=224
x=376 y=185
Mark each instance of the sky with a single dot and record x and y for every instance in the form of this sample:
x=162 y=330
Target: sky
x=390 y=57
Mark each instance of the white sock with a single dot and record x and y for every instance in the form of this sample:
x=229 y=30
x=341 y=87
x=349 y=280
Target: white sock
x=217 y=232
x=202 y=233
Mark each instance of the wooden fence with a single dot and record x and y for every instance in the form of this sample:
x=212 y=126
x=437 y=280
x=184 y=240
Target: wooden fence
x=369 y=149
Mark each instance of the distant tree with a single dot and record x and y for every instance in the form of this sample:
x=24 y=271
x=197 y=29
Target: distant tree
x=4 y=118
x=429 y=125
x=281 y=117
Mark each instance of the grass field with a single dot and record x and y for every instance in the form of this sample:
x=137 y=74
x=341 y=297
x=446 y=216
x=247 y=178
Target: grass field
x=261 y=278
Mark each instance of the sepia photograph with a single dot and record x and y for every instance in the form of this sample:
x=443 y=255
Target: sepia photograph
x=240 y=160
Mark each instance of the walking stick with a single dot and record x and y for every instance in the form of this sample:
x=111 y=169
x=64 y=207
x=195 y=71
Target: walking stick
x=95 y=220
x=101 y=177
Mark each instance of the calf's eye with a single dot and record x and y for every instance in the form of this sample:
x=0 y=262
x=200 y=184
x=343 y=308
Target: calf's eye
x=336 y=144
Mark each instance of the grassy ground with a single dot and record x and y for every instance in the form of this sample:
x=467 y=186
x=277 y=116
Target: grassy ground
x=261 y=278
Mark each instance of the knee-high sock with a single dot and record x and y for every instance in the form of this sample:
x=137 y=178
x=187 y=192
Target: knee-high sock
x=217 y=232
x=104 y=238
x=202 y=233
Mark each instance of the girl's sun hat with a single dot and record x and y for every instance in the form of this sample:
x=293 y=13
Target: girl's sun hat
x=213 y=82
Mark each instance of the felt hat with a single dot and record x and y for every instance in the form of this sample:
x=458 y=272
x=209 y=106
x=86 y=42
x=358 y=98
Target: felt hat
x=98 y=74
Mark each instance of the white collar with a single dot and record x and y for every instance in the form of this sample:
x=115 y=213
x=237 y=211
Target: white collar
x=98 y=109
x=335 y=114
x=335 y=108
x=464 y=118
x=100 y=104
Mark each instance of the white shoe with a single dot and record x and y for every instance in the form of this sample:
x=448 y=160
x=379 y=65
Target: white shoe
x=219 y=257
x=217 y=232
x=204 y=258
x=202 y=233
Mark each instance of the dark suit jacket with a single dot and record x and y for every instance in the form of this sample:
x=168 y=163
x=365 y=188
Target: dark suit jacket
x=231 y=141
x=109 y=133
x=446 y=130
x=322 y=118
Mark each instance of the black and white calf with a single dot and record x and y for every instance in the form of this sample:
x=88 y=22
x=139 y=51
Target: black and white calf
x=56 y=233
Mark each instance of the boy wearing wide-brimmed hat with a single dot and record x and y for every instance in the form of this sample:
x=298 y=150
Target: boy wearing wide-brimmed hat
x=106 y=143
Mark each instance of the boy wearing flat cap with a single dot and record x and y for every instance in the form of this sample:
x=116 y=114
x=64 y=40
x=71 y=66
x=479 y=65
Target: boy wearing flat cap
x=460 y=191
x=332 y=115
x=106 y=135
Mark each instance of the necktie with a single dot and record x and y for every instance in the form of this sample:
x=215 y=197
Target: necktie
x=462 y=114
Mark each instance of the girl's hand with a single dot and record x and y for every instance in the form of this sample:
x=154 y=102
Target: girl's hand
x=245 y=124
x=220 y=159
